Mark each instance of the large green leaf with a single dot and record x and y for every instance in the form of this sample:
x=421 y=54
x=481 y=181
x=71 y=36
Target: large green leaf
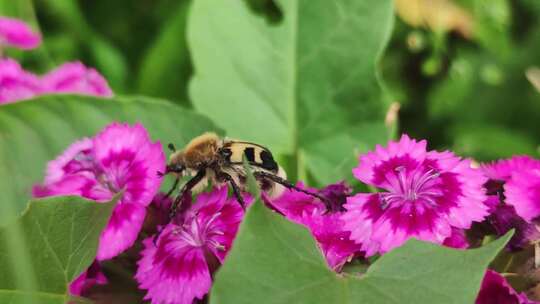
x=276 y=261
x=49 y=246
x=36 y=131
x=306 y=86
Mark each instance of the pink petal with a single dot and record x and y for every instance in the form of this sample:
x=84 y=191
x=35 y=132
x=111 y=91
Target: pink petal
x=381 y=230
x=15 y=83
x=173 y=272
x=16 y=33
x=74 y=77
x=70 y=161
x=471 y=203
x=223 y=215
x=396 y=226
x=73 y=184
x=208 y=203
x=362 y=210
x=496 y=290
x=92 y=276
x=523 y=192
x=370 y=162
x=457 y=239
x=294 y=204
x=503 y=169
x=121 y=231
x=333 y=240
x=130 y=161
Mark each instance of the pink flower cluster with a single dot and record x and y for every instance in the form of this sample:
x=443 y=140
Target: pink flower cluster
x=514 y=198
x=121 y=159
x=428 y=195
x=18 y=84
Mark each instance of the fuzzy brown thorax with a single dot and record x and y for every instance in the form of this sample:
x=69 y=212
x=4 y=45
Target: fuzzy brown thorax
x=198 y=152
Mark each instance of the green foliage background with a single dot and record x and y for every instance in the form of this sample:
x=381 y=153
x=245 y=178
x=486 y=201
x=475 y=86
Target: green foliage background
x=316 y=81
x=470 y=94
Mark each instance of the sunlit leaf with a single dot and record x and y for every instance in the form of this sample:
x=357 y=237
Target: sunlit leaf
x=305 y=86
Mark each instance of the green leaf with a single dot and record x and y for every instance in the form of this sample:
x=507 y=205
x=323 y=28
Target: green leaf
x=276 y=261
x=166 y=67
x=305 y=82
x=49 y=246
x=36 y=131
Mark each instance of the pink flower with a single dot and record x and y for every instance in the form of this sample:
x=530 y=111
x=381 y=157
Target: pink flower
x=427 y=194
x=507 y=189
x=92 y=276
x=71 y=173
x=77 y=158
x=16 y=83
x=523 y=192
x=120 y=158
x=457 y=239
x=178 y=268
x=16 y=33
x=74 y=77
x=503 y=169
x=496 y=290
x=335 y=243
x=294 y=204
x=326 y=227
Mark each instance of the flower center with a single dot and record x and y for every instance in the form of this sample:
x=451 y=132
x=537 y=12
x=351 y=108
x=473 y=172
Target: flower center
x=412 y=187
x=199 y=233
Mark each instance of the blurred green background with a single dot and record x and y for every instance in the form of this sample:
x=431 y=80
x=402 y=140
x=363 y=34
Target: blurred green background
x=463 y=71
